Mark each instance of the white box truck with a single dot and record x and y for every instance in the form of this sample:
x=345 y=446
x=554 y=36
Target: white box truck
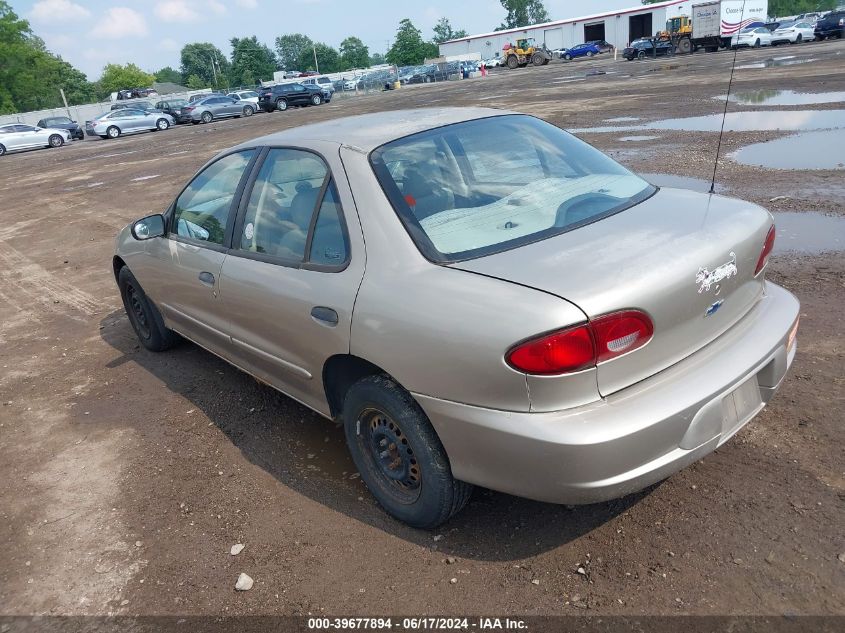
x=714 y=23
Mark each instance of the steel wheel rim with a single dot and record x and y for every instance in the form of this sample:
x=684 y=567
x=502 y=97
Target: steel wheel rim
x=162 y=124
x=206 y=117
x=391 y=455
x=136 y=311
x=55 y=141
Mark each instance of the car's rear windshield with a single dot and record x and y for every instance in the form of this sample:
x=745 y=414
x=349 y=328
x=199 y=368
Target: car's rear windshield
x=484 y=186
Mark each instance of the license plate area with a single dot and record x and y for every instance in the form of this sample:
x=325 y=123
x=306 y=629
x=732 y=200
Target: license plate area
x=739 y=406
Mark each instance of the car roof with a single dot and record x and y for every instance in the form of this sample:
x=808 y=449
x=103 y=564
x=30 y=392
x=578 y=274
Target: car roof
x=369 y=131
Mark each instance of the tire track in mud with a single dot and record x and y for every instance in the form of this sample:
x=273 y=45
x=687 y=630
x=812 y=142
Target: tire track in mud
x=27 y=278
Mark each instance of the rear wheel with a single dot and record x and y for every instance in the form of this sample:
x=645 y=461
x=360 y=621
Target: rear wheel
x=399 y=456
x=282 y=105
x=513 y=61
x=316 y=99
x=56 y=140
x=113 y=132
x=537 y=59
x=249 y=110
x=2 y=149
x=144 y=317
x=206 y=117
x=589 y=53
x=799 y=39
x=162 y=124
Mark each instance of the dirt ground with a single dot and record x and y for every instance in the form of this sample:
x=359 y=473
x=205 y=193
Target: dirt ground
x=127 y=476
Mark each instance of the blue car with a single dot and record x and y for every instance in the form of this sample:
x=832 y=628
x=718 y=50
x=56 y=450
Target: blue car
x=582 y=50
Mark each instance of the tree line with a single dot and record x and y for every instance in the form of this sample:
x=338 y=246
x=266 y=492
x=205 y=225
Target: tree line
x=31 y=76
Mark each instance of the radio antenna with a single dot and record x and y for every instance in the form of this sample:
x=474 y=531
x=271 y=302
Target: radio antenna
x=727 y=99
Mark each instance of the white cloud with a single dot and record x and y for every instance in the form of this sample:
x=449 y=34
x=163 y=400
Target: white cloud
x=175 y=11
x=168 y=44
x=57 y=11
x=216 y=7
x=120 y=22
x=247 y=4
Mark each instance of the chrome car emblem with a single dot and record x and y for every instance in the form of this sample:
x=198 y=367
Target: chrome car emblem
x=707 y=278
x=714 y=307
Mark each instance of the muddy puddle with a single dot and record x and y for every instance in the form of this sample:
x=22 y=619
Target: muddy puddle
x=637 y=138
x=809 y=233
x=796 y=120
x=773 y=97
x=682 y=182
x=777 y=62
x=810 y=150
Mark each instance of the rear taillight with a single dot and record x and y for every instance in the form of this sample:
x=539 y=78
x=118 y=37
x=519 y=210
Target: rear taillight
x=768 y=245
x=581 y=347
x=188 y=108
x=560 y=352
x=620 y=332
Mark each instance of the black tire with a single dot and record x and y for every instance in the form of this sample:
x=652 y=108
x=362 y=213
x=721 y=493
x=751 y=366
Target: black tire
x=56 y=140
x=162 y=124
x=316 y=99
x=416 y=484
x=537 y=59
x=206 y=117
x=670 y=52
x=757 y=43
x=684 y=45
x=248 y=111
x=144 y=317
x=2 y=149
x=799 y=39
x=513 y=62
x=281 y=105
x=590 y=53
x=641 y=55
x=567 y=57
x=113 y=132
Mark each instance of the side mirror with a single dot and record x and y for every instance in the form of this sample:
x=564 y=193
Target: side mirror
x=149 y=227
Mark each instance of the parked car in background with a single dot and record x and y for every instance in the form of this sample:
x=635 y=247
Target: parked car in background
x=793 y=33
x=753 y=37
x=648 y=47
x=245 y=95
x=493 y=62
x=133 y=105
x=773 y=26
x=831 y=25
x=281 y=96
x=136 y=93
x=218 y=107
x=309 y=73
x=320 y=82
x=204 y=95
x=418 y=298
x=19 y=136
x=604 y=45
x=127 y=121
x=174 y=107
x=352 y=84
x=63 y=123
x=581 y=50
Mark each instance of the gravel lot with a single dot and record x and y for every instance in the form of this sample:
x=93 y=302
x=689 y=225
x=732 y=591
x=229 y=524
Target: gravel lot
x=127 y=476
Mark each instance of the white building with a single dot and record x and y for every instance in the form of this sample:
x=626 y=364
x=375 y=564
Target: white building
x=617 y=27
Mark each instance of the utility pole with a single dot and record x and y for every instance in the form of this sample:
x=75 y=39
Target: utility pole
x=316 y=65
x=213 y=70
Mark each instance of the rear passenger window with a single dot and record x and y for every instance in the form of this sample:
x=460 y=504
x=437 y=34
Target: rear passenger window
x=328 y=244
x=282 y=204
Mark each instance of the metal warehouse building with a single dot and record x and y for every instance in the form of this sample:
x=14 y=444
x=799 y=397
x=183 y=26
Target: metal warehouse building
x=617 y=27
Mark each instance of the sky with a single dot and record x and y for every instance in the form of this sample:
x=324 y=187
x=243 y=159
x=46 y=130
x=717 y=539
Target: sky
x=91 y=33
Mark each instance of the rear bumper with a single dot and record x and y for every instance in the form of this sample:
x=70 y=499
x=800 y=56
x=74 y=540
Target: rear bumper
x=635 y=437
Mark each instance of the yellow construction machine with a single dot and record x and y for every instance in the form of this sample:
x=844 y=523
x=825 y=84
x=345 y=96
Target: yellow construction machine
x=525 y=52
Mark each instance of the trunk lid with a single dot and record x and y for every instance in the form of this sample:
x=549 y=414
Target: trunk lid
x=686 y=259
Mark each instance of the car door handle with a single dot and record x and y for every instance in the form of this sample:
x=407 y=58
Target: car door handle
x=206 y=278
x=324 y=315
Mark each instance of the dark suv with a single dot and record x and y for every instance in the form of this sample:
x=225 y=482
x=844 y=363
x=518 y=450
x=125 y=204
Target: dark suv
x=648 y=47
x=173 y=107
x=831 y=25
x=281 y=96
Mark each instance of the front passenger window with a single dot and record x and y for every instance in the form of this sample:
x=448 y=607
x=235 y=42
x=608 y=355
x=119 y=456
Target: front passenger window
x=202 y=210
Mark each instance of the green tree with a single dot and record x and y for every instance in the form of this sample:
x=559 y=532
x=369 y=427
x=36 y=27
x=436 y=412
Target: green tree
x=376 y=59
x=116 y=77
x=409 y=48
x=443 y=32
x=31 y=76
x=779 y=8
x=252 y=61
x=205 y=60
x=523 y=13
x=195 y=82
x=289 y=49
x=354 y=53
x=168 y=75
x=328 y=59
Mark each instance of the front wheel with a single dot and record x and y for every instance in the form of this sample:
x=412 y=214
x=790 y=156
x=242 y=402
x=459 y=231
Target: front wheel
x=513 y=62
x=144 y=317
x=56 y=140
x=281 y=105
x=799 y=39
x=162 y=124
x=2 y=149
x=207 y=117
x=567 y=57
x=249 y=111
x=589 y=53
x=399 y=456
x=641 y=55
x=757 y=43
x=113 y=132
x=316 y=100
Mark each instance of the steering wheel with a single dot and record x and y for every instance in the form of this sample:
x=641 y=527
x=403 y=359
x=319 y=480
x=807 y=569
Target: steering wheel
x=583 y=206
